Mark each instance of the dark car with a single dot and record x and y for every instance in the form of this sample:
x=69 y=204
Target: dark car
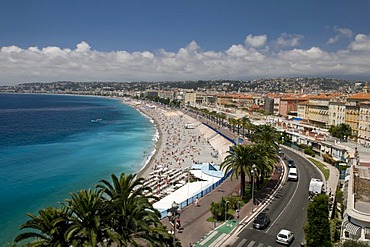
x=291 y=163
x=261 y=221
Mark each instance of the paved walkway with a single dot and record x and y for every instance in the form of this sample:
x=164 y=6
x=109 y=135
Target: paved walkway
x=194 y=219
x=198 y=232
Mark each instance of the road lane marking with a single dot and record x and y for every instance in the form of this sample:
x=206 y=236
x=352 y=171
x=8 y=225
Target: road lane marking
x=273 y=223
x=218 y=240
x=242 y=243
x=251 y=244
x=209 y=237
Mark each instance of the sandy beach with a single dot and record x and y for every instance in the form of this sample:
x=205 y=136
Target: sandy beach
x=179 y=147
x=179 y=168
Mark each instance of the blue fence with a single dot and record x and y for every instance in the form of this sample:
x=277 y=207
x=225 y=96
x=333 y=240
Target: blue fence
x=218 y=132
x=204 y=192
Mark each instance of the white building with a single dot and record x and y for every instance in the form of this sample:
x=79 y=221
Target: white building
x=337 y=112
x=356 y=220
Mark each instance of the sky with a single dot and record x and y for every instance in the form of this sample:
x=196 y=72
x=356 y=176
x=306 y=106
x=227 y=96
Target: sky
x=174 y=40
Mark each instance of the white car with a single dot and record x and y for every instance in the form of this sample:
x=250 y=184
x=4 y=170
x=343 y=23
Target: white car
x=284 y=237
x=293 y=174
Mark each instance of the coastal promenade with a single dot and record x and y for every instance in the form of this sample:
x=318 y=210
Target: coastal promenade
x=199 y=232
x=193 y=144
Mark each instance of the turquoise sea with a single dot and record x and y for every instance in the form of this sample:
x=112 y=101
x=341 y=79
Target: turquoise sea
x=49 y=147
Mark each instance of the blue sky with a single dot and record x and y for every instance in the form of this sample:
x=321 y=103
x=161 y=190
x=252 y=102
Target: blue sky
x=112 y=40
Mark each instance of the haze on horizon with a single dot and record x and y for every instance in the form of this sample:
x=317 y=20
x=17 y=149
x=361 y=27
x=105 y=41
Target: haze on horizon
x=47 y=41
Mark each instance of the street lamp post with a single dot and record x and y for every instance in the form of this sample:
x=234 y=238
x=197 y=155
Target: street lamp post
x=227 y=202
x=253 y=173
x=173 y=214
x=238 y=211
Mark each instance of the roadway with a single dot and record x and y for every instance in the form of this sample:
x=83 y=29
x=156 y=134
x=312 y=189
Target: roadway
x=287 y=210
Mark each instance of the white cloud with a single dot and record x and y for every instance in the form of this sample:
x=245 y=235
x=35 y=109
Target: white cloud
x=345 y=32
x=10 y=49
x=361 y=43
x=256 y=41
x=188 y=63
x=341 y=33
x=289 y=40
x=83 y=47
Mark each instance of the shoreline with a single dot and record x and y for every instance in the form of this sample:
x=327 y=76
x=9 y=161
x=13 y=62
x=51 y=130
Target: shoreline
x=177 y=147
x=148 y=164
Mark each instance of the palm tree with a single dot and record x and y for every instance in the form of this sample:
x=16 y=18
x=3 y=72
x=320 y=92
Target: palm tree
x=267 y=138
x=240 y=161
x=133 y=219
x=223 y=117
x=265 y=164
x=87 y=222
x=266 y=135
x=238 y=125
x=216 y=210
x=232 y=123
x=50 y=226
x=247 y=125
x=214 y=117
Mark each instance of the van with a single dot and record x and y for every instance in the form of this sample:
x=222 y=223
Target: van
x=293 y=174
x=316 y=186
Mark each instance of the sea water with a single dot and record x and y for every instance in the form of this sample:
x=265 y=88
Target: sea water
x=54 y=145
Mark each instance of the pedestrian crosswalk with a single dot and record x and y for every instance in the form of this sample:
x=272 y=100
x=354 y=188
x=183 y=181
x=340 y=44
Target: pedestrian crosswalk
x=244 y=243
x=220 y=236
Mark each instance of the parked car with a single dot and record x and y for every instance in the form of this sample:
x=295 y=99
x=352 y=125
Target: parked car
x=284 y=237
x=261 y=221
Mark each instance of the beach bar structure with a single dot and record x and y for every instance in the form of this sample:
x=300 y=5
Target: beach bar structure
x=209 y=177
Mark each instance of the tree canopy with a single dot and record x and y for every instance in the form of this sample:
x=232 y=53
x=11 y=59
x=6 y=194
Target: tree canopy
x=117 y=213
x=341 y=131
x=317 y=229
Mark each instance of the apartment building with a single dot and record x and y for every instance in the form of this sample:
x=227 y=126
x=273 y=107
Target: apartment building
x=276 y=105
x=224 y=100
x=289 y=105
x=356 y=220
x=237 y=100
x=337 y=111
x=364 y=124
x=302 y=110
x=259 y=101
x=243 y=101
x=269 y=105
x=318 y=110
x=190 y=98
x=352 y=112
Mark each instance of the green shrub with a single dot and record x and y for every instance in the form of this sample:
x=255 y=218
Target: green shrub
x=328 y=159
x=302 y=146
x=308 y=150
